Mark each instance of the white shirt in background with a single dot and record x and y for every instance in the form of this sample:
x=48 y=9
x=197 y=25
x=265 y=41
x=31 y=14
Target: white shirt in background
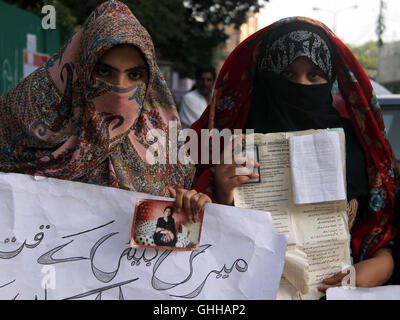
x=192 y=107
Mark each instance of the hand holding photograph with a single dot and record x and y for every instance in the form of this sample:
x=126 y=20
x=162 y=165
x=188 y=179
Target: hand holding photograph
x=157 y=224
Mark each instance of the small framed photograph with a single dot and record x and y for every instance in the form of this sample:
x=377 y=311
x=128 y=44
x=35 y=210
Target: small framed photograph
x=251 y=152
x=156 y=224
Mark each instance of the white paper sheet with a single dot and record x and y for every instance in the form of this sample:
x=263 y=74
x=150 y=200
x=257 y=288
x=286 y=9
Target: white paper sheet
x=69 y=240
x=319 y=239
x=31 y=42
x=316 y=167
x=351 y=293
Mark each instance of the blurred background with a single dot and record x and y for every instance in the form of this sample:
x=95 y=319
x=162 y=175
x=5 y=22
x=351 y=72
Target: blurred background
x=191 y=32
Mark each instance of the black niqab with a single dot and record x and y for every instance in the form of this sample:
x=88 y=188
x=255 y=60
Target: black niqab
x=280 y=105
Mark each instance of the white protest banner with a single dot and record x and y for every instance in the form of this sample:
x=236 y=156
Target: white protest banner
x=69 y=240
x=389 y=292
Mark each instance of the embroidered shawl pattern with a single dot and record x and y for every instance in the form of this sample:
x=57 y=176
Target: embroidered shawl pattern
x=51 y=124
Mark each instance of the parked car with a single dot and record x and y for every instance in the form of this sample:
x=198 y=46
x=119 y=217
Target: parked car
x=378 y=88
x=390 y=104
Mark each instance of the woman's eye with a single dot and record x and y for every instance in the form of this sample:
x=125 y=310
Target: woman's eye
x=317 y=75
x=135 y=75
x=103 y=72
x=287 y=74
x=314 y=75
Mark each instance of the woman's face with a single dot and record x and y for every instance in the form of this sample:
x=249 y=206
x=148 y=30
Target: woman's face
x=167 y=212
x=304 y=71
x=122 y=66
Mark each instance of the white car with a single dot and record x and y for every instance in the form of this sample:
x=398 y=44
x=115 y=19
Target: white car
x=378 y=88
x=390 y=104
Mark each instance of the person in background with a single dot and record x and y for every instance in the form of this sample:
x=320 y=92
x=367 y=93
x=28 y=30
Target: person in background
x=195 y=102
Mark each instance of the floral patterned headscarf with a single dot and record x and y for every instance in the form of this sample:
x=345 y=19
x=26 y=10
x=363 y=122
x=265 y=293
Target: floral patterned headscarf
x=62 y=122
x=353 y=98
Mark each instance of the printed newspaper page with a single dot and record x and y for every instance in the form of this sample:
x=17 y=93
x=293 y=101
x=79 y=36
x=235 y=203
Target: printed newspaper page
x=319 y=239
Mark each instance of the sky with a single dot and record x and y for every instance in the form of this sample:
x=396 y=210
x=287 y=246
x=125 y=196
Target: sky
x=353 y=26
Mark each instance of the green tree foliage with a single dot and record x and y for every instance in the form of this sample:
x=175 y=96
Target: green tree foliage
x=185 y=32
x=367 y=56
x=219 y=12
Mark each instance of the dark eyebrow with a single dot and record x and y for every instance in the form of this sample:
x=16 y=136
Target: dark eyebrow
x=136 y=68
x=107 y=66
x=116 y=69
x=317 y=68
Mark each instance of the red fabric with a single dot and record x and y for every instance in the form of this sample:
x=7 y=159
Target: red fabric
x=354 y=99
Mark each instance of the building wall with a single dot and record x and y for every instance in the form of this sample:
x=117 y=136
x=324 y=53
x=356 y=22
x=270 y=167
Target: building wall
x=16 y=25
x=236 y=36
x=250 y=27
x=389 y=66
x=178 y=85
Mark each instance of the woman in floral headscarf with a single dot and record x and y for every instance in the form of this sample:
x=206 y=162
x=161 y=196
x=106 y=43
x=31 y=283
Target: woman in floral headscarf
x=89 y=114
x=297 y=75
